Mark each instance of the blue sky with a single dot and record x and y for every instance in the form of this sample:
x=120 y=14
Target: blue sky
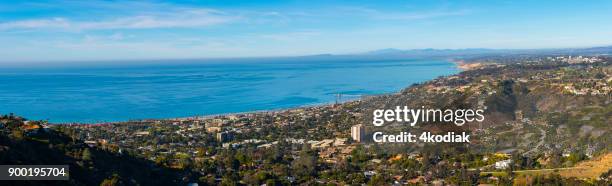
x=115 y=30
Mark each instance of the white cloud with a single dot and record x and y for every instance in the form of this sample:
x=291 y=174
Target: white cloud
x=37 y=23
x=403 y=15
x=192 y=18
x=419 y=15
x=291 y=36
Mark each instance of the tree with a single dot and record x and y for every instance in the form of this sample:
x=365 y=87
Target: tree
x=161 y=160
x=185 y=162
x=86 y=155
x=17 y=134
x=230 y=161
x=305 y=165
x=356 y=178
x=229 y=180
x=377 y=180
x=271 y=182
x=359 y=156
x=112 y=181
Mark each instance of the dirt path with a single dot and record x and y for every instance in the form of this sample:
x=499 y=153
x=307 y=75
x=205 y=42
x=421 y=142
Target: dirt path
x=587 y=169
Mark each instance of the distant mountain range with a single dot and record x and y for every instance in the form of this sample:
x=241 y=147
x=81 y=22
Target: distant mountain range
x=429 y=52
x=382 y=54
x=392 y=53
x=399 y=54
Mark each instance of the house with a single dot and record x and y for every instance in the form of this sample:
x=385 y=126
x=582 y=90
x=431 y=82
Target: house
x=323 y=143
x=369 y=174
x=504 y=164
x=419 y=179
x=142 y=133
x=91 y=143
x=213 y=129
x=340 y=142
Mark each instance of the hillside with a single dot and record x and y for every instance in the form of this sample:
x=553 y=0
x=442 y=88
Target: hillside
x=559 y=102
x=29 y=144
x=591 y=168
x=539 y=115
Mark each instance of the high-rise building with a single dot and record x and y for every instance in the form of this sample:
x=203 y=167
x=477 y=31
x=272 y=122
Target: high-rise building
x=358 y=132
x=224 y=136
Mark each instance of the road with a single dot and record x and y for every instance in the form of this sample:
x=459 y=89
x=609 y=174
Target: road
x=535 y=170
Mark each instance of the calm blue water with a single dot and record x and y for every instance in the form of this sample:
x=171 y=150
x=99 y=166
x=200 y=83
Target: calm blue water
x=155 y=91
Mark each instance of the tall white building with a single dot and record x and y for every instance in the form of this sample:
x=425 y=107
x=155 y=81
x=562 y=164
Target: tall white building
x=358 y=132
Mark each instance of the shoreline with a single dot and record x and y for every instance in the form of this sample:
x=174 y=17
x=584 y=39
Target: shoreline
x=208 y=116
x=212 y=116
x=459 y=64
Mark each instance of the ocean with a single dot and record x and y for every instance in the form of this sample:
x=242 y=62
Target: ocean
x=155 y=91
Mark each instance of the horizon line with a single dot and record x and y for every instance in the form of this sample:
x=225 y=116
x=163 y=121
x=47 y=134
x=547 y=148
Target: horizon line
x=365 y=53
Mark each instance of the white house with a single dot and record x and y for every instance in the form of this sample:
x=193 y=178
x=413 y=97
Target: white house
x=503 y=164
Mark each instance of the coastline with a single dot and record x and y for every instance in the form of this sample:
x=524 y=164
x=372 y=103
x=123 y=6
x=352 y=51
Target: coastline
x=454 y=63
x=461 y=64
x=212 y=116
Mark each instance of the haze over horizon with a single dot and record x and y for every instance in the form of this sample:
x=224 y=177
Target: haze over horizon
x=126 y=30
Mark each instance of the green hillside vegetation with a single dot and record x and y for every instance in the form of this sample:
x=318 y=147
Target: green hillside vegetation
x=88 y=166
x=540 y=117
